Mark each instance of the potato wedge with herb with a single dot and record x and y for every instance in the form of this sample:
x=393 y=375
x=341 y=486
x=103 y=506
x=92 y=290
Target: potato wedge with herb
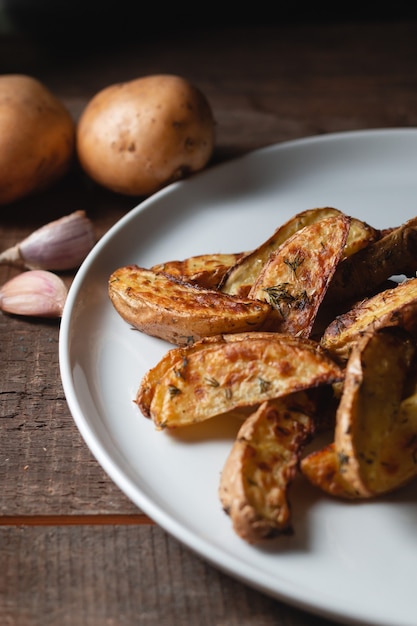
x=376 y=426
x=262 y=464
x=240 y=277
x=229 y=374
x=178 y=312
x=392 y=307
x=205 y=270
x=244 y=273
x=295 y=278
x=178 y=358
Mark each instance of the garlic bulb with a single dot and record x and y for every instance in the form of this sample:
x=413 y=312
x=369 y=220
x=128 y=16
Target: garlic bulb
x=60 y=245
x=36 y=293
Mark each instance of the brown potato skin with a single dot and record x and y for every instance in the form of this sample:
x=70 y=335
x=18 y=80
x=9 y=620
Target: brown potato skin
x=37 y=137
x=136 y=137
x=261 y=466
x=163 y=306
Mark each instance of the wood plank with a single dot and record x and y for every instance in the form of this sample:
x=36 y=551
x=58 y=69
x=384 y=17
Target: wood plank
x=123 y=576
x=75 y=520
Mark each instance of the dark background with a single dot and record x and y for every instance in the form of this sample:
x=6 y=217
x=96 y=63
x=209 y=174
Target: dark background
x=65 y=26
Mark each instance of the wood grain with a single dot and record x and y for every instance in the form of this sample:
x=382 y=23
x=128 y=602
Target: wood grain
x=123 y=575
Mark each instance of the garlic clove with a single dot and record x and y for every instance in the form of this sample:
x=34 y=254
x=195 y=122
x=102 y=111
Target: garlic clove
x=35 y=293
x=58 y=246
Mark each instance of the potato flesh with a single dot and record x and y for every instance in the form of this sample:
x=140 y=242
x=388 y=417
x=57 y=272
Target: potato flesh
x=242 y=276
x=322 y=469
x=205 y=270
x=370 y=420
x=222 y=377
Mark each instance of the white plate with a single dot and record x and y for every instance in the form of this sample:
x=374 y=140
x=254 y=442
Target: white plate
x=353 y=563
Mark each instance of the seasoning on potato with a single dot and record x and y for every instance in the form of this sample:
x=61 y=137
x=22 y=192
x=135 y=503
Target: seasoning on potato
x=37 y=137
x=288 y=379
x=138 y=136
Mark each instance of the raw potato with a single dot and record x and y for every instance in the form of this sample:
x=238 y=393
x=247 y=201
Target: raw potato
x=138 y=136
x=37 y=137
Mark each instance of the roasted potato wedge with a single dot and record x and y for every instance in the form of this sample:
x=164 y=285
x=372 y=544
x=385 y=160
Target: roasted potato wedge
x=376 y=426
x=361 y=274
x=178 y=357
x=295 y=278
x=240 y=277
x=392 y=307
x=205 y=270
x=262 y=464
x=178 y=312
x=225 y=375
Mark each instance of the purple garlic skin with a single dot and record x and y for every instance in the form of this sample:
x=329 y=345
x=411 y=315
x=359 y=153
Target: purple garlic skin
x=58 y=246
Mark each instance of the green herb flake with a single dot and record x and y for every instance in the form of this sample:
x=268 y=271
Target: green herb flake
x=212 y=382
x=173 y=390
x=264 y=384
x=295 y=263
x=343 y=459
x=280 y=297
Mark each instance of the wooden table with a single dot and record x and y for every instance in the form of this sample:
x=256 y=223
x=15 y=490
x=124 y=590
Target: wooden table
x=74 y=550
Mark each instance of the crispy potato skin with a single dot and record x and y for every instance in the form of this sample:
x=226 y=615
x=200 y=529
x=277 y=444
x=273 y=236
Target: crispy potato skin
x=37 y=137
x=391 y=307
x=261 y=466
x=178 y=312
x=136 y=137
x=240 y=278
x=243 y=274
x=295 y=278
x=361 y=274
